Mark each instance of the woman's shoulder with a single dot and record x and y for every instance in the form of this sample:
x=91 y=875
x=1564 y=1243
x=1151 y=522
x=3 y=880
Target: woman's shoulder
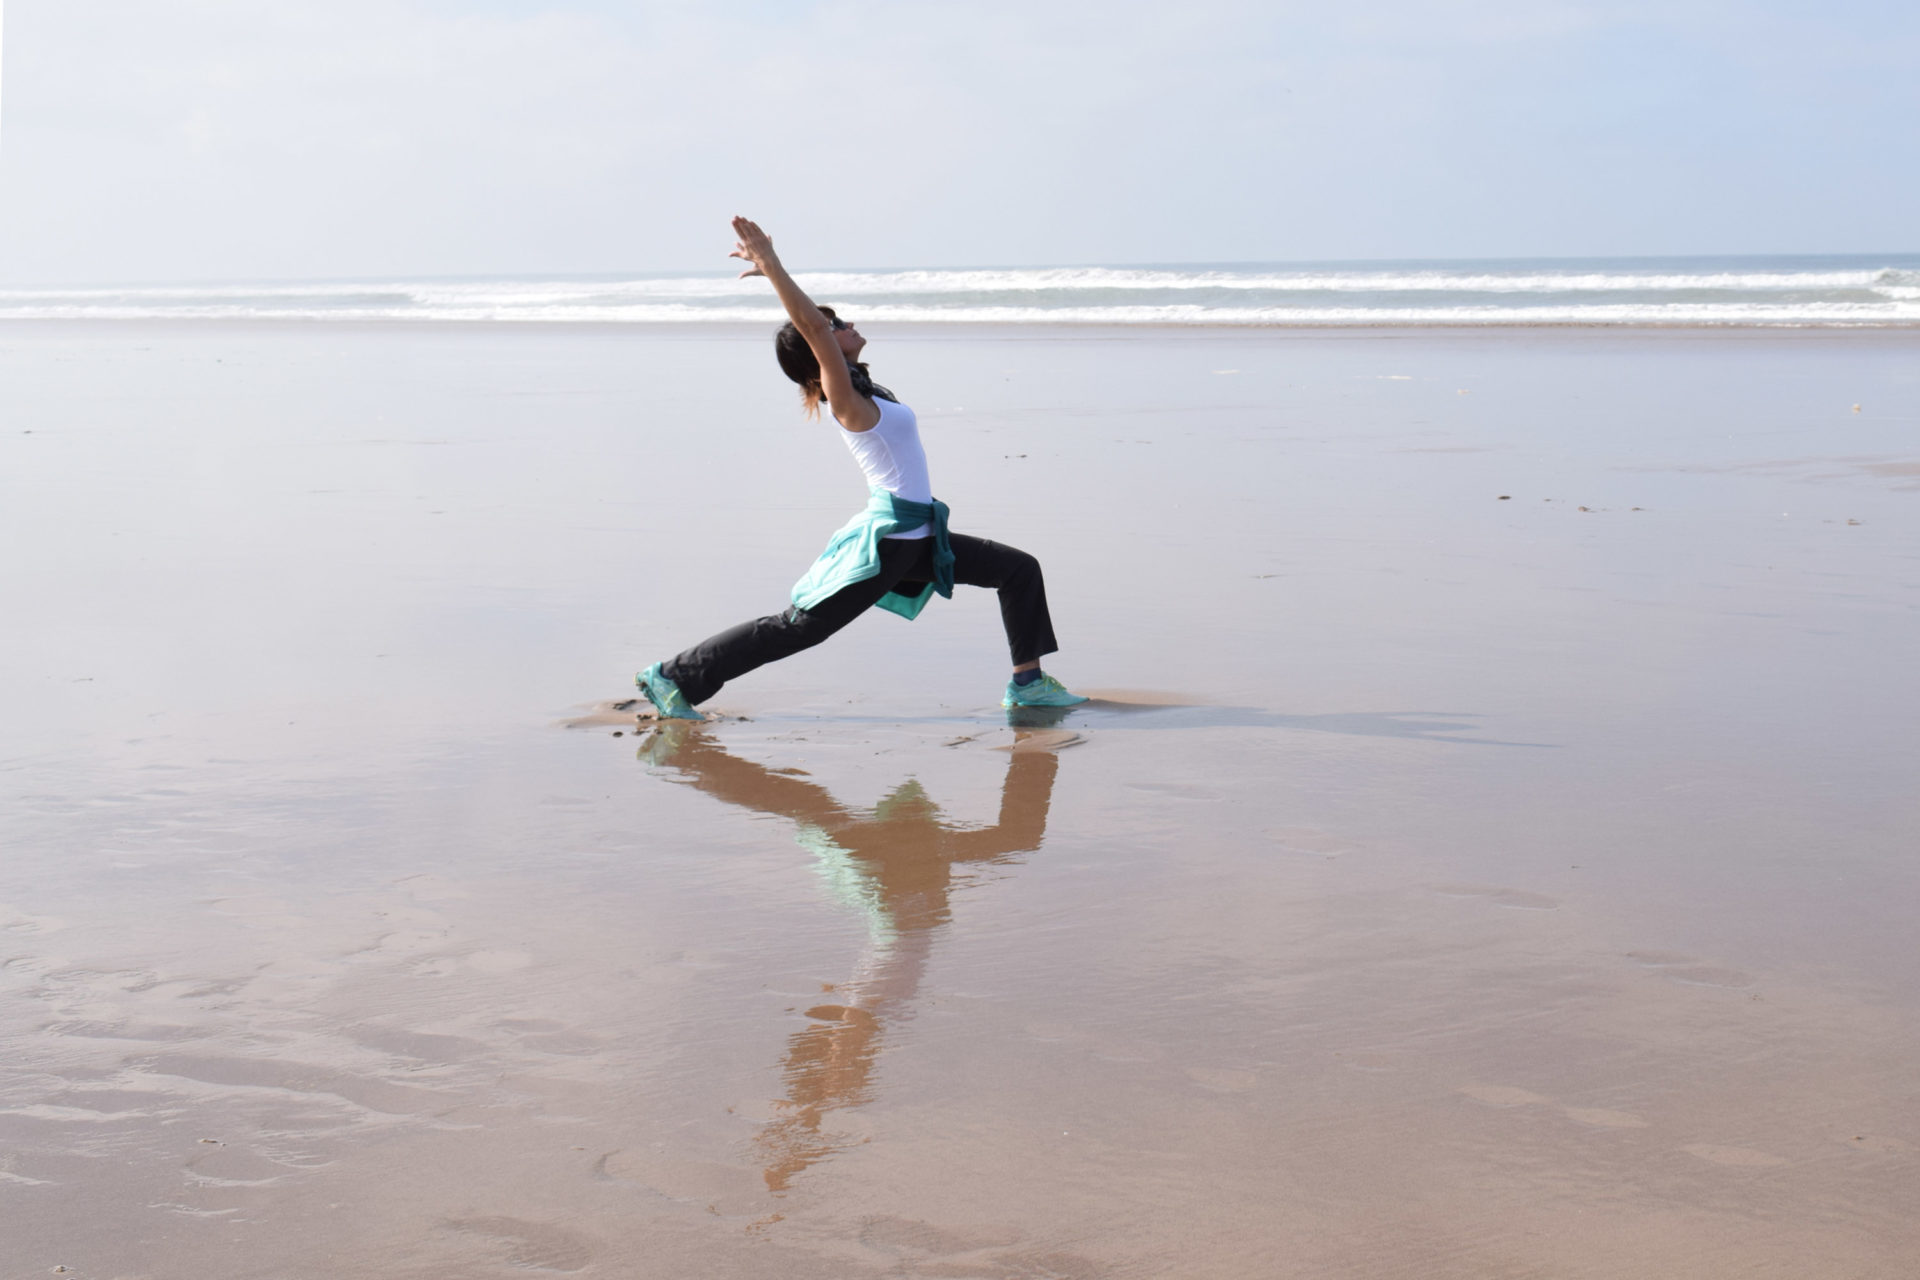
x=886 y=410
x=865 y=415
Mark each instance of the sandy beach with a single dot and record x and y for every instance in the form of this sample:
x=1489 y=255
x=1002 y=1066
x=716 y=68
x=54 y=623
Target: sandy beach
x=1489 y=855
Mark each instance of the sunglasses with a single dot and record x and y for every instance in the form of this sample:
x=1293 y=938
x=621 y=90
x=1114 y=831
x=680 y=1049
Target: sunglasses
x=838 y=324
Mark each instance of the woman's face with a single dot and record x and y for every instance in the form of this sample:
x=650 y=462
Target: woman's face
x=848 y=337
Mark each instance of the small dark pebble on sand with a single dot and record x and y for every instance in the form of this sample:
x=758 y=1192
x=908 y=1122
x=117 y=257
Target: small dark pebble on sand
x=1506 y=497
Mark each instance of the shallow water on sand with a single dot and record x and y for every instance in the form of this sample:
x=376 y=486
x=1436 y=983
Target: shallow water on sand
x=1489 y=855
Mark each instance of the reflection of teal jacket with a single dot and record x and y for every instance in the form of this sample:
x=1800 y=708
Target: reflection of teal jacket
x=853 y=554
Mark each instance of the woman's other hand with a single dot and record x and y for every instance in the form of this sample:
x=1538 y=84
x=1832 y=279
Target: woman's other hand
x=755 y=247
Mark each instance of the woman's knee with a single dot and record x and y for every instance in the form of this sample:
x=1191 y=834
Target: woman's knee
x=982 y=563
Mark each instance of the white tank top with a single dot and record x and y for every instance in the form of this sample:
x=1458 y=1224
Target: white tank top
x=891 y=456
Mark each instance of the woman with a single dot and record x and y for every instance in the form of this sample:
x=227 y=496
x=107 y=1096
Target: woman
x=897 y=553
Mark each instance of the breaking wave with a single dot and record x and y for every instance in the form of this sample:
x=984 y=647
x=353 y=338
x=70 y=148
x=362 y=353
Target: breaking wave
x=1882 y=291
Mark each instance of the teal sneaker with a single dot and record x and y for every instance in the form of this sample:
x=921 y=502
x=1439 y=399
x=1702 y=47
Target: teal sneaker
x=665 y=695
x=1044 y=692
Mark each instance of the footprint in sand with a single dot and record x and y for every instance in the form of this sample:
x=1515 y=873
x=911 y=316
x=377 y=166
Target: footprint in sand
x=1688 y=970
x=1736 y=1157
x=1516 y=899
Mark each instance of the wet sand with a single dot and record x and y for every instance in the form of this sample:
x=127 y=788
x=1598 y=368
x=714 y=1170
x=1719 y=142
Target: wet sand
x=1490 y=854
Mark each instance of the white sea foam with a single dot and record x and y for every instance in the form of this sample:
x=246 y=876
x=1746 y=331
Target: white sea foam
x=1702 y=291
x=1171 y=314
x=1435 y=281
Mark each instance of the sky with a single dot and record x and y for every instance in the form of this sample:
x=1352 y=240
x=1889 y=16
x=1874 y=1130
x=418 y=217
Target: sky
x=205 y=140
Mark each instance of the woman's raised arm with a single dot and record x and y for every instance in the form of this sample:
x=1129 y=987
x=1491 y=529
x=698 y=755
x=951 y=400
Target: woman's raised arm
x=854 y=411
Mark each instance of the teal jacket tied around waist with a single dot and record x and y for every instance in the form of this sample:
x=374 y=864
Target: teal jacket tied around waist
x=853 y=554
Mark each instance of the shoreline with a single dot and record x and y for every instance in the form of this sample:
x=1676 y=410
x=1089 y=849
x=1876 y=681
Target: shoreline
x=672 y=327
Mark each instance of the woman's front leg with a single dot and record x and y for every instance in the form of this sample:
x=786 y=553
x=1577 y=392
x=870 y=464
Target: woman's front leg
x=1016 y=575
x=702 y=670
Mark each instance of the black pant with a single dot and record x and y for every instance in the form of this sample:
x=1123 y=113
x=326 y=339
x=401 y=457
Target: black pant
x=904 y=562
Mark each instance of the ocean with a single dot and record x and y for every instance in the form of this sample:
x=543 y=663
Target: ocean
x=1871 y=290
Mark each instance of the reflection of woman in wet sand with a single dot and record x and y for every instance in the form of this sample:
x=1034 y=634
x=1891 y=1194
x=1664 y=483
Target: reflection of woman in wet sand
x=894 y=863
x=895 y=554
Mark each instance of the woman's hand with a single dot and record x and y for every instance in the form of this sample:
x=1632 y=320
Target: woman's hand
x=851 y=409
x=755 y=247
